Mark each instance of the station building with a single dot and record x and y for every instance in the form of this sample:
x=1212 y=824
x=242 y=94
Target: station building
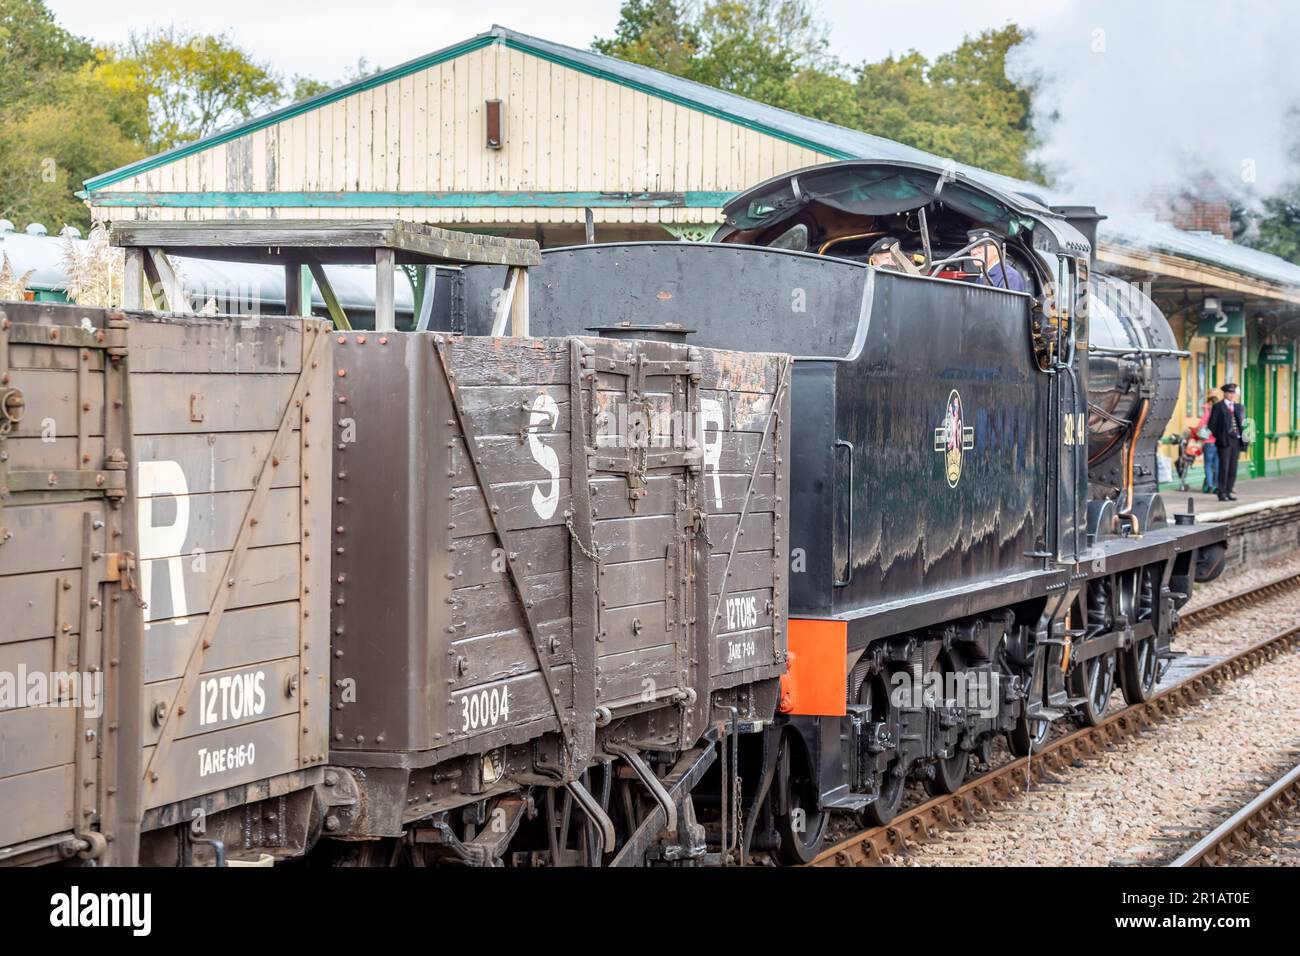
x=510 y=134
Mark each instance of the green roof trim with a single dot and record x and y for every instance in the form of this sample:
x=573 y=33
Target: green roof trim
x=457 y=200
x=511 y=41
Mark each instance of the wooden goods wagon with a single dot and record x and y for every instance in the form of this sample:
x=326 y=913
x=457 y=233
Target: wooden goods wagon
x=158 y=596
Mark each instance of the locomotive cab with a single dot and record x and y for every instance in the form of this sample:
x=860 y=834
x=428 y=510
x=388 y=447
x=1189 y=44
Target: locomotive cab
x=843 y=209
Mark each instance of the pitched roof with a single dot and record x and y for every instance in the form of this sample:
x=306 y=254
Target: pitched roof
x=1134 y=231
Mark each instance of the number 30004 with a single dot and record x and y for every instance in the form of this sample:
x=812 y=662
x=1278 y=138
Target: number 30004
x=487 y=708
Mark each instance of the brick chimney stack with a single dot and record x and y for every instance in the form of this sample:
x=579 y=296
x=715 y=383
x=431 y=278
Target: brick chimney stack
x=1199 y=209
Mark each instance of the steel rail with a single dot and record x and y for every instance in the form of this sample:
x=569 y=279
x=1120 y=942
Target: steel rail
x=1234 y=833
x=973 y=800
x=1240 y=599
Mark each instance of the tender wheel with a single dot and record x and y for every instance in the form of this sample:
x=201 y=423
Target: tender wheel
x=892 y=780
x=949 y=772
x=1095 y=680
x=802 y=828
x=1139 y=667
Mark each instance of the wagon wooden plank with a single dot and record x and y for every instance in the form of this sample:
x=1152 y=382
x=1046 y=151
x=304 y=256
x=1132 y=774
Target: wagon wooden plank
x=488 y=658
x=633 y=626
x=470 y=516
x=30 y=602
x=514 y=409
x=525 y=701
x=18 y=661
x=215 y=346
x=53 y=407
x=488 y=608
x=225 y=758
x=629 y=675
x=37 y=454
x=509 y=455
x=247 y=635
x=198 y=403
x=266 y=576
x=34 y=804
x=229 y=697
x=483 y=360
x=212 y=462
x=197 y=525
x=36 y=738
x=479 y=560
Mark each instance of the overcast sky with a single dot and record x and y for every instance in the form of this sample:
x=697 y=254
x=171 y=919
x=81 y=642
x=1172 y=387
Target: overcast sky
x=323 y=38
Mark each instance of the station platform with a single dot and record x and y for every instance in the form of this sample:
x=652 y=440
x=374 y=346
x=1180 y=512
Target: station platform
x=1263 y=523
x=1253 y=495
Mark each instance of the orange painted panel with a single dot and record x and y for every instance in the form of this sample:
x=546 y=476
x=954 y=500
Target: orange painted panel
x=817 y=669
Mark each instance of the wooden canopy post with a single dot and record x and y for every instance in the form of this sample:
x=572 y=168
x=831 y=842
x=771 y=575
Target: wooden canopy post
x=385 y=310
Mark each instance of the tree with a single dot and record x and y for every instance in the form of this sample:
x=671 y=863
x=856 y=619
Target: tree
x=657 y=33
x=776 y=51
x=1272 y=227
x=33 y=50
x=304 y=88
x=196 y=83
x=773 y=51
x=961 y=106
x=65 y=114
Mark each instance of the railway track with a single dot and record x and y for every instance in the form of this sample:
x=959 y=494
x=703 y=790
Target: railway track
x=1240 y=599
x=1236 y=833
x=976 y=799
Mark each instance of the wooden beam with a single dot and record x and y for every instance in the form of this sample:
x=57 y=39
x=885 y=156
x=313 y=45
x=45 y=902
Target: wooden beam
x=332 y=304
x=293 y=288
x=385 y=311
x=505 y=305
x=168 y=281
x=519 y=305
x=133 y=280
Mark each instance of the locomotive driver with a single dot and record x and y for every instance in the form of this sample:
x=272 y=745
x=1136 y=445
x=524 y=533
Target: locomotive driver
x=999 y=274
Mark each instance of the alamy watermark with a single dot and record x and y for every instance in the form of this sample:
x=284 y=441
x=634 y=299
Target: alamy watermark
x=76 y=689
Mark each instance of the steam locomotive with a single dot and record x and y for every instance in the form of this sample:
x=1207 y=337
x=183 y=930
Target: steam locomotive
x=747 y=533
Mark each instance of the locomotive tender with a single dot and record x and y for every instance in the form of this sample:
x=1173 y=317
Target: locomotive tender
x=751 y=533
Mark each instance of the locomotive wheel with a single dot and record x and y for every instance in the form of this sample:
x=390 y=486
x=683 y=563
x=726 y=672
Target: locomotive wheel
x=1139 y=667
x=885 y=807
x=1095 y=680
x=949 y=774
x=802 y=828
x=1028 y=733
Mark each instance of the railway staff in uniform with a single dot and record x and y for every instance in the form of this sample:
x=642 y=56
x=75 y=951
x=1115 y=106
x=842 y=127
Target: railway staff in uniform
x=1227 y=423
x=881 y=254
x=999 y=274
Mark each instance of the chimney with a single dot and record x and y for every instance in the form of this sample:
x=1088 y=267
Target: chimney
x=1200 y=208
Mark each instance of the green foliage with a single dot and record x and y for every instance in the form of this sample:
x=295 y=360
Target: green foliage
x=961 y=106
x=776 y=51
x=65 y=114
x=657 y=33
x=1274 y=228
x=304 y=88
x=196 y=83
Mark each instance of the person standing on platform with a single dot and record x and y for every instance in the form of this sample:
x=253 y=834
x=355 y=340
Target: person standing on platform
x=1227 y=422
x=1209 y=453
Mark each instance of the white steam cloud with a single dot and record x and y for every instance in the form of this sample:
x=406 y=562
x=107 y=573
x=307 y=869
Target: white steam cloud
x=1140 y=99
